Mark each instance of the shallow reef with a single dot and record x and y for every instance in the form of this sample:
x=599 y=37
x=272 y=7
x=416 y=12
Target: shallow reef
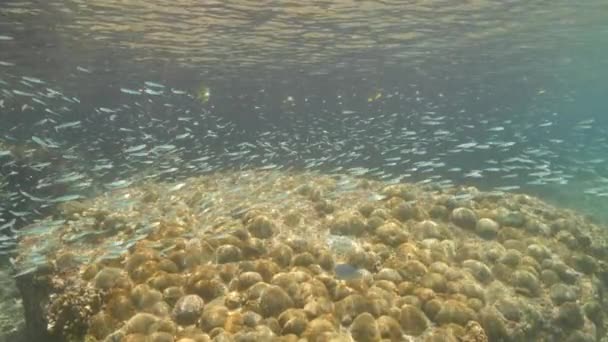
x=11 y=311
x=292 y=256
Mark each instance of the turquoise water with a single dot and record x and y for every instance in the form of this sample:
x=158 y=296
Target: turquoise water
x=97 y=96
x=505 y=96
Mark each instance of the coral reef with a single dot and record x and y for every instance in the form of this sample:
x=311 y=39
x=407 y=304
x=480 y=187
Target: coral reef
x=12 y=324
x=260 y=255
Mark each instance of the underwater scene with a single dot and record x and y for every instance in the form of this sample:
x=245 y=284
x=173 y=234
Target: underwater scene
x=324 y=170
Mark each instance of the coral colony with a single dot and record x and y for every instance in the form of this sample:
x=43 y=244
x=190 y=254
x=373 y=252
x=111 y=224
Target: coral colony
x=290 y=256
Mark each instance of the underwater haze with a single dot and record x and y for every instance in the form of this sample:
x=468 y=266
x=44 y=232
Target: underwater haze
x=503 y=95
x=101 y=96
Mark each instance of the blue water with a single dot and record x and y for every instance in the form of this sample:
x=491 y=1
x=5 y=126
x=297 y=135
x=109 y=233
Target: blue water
x=101 y=95
x=500 y=95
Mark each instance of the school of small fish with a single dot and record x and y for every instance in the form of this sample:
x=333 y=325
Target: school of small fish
x=54 y=148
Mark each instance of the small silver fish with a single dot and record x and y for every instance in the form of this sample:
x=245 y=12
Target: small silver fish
x=153 y=84
x=118 y=184
x=130 y=91
x=135 y=148
x=68 y=125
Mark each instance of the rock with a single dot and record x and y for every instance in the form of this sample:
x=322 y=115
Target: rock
x=493 y=252
x=400 y=190
x=411 y=300
x=566 y=274
x=274 y=300
x=561 y=293
x=366 y=209
x=187 y=309
x=135 y=338
x=261 y=227
x=389 y=328
x=487 y=228
x=109 y=277
x=439 y=212
x=431 y=308
x=317 y=329
x=528 y=263
x=319 y=306
x=355 y=304
x=326 y=260
x=526 y=283
x=303 y=259
x=511 y=218
x=474 y=333
x=295 y=326
x=404 y=212
x=101 y=325
x=260 y=333
x=549 y=277
x=246 y=279
x=413 y=321
x=434 y=281
x=388 y=274
x=502 y=272
x=362 y=259
x=570 y=316
x=324 y=207
x=474 y=303
x=281 y=254
x=567 y=239
x=453 y=274
x=213 y=316
x=584 y=263
x=374 y=221
x=472 y=290
x=364 y=328
x=494 y=324
x=293 y=321
x=478 y=269
x=141 y=323
x=120 y=307
x=347 y=223
x=441 y=335
x=579 y=336
x=162 y=280
x=428 y=229
x=413 y=269
x=391 y=234
x=161 y=336
x=518 y=245
x=511 y=258
x=510 y=309
x=166 y=324
x=254 y=248
x=454 y=311
x=208 y=289
x=160 y=309
x=310 y=289
x=228 y=253
x=464 y=218
x=233 y=300
x=144 y=297
x=439 y=267
x=252 y=319
x=538 y=252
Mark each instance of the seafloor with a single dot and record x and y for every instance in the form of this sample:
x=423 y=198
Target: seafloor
x=291 y=256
